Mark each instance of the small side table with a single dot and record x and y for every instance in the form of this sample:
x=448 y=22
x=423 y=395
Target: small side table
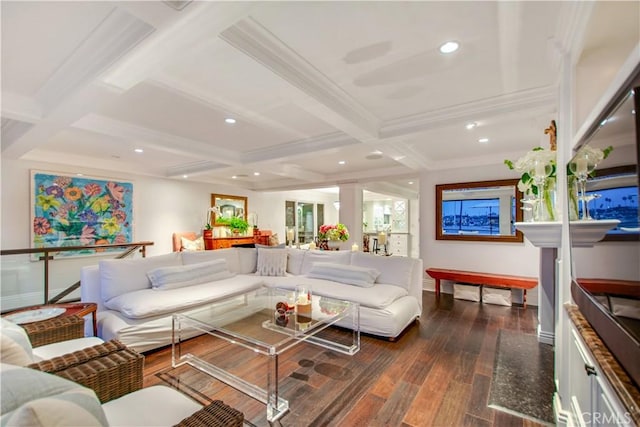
x=79 y=309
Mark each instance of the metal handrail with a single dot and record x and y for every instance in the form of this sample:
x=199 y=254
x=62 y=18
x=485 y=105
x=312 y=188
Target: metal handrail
x=132 y=247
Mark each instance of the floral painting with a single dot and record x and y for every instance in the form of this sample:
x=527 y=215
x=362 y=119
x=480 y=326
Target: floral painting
x=80 y=211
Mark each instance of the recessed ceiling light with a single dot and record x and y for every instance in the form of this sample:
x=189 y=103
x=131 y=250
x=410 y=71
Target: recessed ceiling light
x=185 y=176
x=483 y=140
x=342 y=162
x=449 y=47
x=229 y=120
x=256 y=174
x=410 y=182
x=374 y=155
x=139 y=150
x=78 y=174
x=471 y=125
x=234 y=177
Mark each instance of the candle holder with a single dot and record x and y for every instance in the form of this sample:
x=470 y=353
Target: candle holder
x=540 y=173
x=581 y=167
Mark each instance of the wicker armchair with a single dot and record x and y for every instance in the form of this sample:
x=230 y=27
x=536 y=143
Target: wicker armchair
x=110 y=369
x=216 y=414
x=54 y=330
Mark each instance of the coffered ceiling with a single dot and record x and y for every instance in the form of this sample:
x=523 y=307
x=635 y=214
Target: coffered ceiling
x=309 y=84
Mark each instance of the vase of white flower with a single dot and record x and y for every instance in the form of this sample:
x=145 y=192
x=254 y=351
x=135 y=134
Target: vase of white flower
x=538 y=180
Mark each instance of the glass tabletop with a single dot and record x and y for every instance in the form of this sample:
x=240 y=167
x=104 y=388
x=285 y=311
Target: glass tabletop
x=267 y=319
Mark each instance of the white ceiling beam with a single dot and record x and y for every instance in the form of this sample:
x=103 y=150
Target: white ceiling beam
x=20 y=107
x=302 y=147
x=509 y=42
x=335 y=105
x=114 y=36
x=201 y=21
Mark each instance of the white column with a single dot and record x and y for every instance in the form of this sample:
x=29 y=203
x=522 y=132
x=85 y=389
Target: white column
x=351 y=213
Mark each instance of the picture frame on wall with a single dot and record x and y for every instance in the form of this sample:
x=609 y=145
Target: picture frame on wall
x=74 y=210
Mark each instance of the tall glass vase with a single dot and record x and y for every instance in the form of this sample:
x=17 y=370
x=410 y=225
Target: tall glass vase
x=574 y=210
x=545 y=206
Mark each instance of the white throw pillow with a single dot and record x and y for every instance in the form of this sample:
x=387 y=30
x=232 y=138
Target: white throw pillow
x=187 y=275
x=34 y=398
x=15 y=346
x=192 y=245
x=347 y=274
x=228 y=254
x=272 y=262
x=119 y=276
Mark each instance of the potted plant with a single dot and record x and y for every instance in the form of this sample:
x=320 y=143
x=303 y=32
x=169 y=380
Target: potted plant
x=236 y=224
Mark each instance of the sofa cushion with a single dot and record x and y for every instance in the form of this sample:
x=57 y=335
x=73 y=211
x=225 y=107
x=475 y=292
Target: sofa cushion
x=180 y=276
x=393 y=270
x=35 y=398
x=348 y=274
x=311 y=257
x=294 y=261
x=149 y=303
x=119 y=276
x=247 y=260
x=271 y=262
x=378 y=296
x=228 y=254
x=15 y=346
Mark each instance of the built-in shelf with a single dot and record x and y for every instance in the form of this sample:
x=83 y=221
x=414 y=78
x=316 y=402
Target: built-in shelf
x=542 y=234
x=546 y=234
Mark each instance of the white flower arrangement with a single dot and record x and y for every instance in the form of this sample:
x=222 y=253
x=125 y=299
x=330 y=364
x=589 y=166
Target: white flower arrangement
x=527 y=166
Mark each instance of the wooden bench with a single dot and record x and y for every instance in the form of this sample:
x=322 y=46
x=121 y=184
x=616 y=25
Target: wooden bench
x=489 y=279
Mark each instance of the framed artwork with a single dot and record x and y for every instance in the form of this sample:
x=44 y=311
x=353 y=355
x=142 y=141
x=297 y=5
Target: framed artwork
x=70 y=210
x=229 y=206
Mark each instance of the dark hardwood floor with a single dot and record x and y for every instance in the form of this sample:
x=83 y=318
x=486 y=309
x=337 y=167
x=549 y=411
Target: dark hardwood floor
x=438 y=373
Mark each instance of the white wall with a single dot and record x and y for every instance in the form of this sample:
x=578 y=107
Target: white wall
x=160 y=208
x=501 y=258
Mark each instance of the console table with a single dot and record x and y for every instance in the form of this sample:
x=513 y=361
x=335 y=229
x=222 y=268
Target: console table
x=489 y=279
x=260 y=237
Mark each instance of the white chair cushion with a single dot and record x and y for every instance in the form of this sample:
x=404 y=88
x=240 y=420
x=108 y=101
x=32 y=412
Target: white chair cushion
x=15 y=346
x=49 y=351
x=151 y=406
x=35 y=398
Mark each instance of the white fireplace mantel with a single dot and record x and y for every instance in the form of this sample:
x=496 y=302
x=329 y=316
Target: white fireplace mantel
x=546 y=234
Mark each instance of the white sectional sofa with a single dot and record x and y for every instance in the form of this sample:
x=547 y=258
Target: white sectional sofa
x=137 y=297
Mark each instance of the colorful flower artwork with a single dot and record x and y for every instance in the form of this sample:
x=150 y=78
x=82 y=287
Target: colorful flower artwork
x=80 y=211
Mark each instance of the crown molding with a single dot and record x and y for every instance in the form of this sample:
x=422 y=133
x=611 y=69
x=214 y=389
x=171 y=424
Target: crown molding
x=250 y=37
x=113 y=37
x=508 y=103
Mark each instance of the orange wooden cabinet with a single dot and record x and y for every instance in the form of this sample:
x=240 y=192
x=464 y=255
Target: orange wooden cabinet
x=259 y=236
x=227 y=242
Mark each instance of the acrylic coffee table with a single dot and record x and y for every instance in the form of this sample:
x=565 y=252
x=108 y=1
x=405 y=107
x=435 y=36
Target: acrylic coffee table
x=248 y=321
